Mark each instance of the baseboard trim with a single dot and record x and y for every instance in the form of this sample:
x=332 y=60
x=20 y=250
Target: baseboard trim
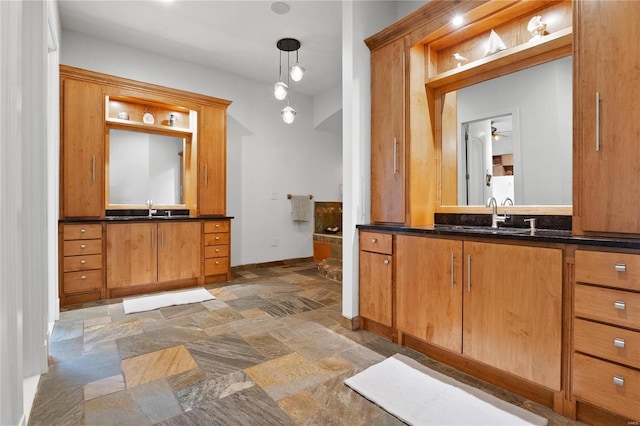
x=275 y=263
x=350 y=323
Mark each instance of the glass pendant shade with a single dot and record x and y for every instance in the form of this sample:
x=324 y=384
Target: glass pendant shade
x=288 y=114
x=296 y=72
x=280 y=90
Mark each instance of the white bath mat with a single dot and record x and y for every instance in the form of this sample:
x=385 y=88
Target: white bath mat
x=155 y=301
x=420 y=396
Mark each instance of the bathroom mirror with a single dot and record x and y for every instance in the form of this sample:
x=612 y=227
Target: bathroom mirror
x=511 y=138
x=145 y=166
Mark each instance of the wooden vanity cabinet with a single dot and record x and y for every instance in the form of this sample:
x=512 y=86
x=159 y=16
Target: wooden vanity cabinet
x=217 y=250
x=606 y=117
x=388 y=133
x=376 y=279
x=82 y=149
x=499 y=304
x=429 y=290
x=606 y=359
x=148 y=253
x=82 y=272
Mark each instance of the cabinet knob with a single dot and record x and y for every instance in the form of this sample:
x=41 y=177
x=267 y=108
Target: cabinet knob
x=386 y=261
x=621 y=306
x=83 y=246
x=620 y=267
x=217 y=238
x=618 y=343
x=618 y=381
x=82 y=230
x=217 y=250
x=82 y=262
x=217 y=225
x=374 y=240
x=83 y=277
x=217 y=262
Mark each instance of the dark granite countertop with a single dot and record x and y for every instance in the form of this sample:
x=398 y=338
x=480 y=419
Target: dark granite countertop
x=520 y=234
x=144 y=218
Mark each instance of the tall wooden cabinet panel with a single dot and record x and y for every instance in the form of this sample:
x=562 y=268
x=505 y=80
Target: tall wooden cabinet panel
x=388 y=133
x=82 y=173
x=428 y=290
x=513 y=309
x=212 y=158
x=607 y=116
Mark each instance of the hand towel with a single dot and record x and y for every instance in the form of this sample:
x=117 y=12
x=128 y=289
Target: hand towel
x=300 y=208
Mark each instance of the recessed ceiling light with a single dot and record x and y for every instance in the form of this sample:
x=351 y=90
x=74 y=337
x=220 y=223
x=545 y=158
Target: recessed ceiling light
x=457 y=20
x=280 y=7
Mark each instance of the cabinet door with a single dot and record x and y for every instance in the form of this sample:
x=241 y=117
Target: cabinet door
x=387 y=133
x=607 y=64
x=212 y=159
x=179 y=250
x=131 y=254
x=82 y=185
x=429 y=290
x=513 y=309
x=376 y=291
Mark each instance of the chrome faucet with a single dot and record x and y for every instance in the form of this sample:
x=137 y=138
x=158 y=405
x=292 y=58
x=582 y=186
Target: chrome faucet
x=507 y=201
x=495 y=218
x=151 y=209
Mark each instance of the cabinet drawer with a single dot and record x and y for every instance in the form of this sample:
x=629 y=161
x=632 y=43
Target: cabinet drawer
x=78 y=282
x=606 y=305
x=215 y=239
x=216 y=251
x=82 y=232
x=376 y=242
x=621 y=270
x=595 y=381
x=218 y=265
x=604 y=341
x=82 y=247
x=216 y=226
x=82 y=263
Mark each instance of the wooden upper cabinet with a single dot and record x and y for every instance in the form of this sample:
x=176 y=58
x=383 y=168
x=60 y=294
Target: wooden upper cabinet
x=429 y=290
x=388 y=133
x=513 y=309
x=607 y=116
x=212 y=158
x=82 y=143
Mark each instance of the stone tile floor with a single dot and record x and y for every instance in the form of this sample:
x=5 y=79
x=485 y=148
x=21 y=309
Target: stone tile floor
x=268 y=351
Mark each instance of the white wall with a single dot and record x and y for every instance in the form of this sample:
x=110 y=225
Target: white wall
x=360 y=19
x=265 y=157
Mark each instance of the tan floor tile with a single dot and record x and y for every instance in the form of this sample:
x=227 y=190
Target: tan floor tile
x=334 y=365
x=96 y=321
x=300 y=406
x=254 y=313
x=103 y=387
x=157 y=365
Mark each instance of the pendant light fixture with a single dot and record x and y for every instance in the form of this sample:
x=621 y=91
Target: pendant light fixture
x=296 y=71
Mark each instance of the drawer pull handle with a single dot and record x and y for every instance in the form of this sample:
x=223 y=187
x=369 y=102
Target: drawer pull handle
x=618 y=381
x=217 y=250
x=217 y=238
x=374 y=240
x=82 y=262
x=217 y=225
x=621 y=306
x=83 y=246
x=82 y=230
x=83 y=277
x=621 y=267
x=618 y=343
x=386 y=261
x=217 y=263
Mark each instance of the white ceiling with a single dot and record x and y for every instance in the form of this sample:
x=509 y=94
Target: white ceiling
x=237 y=36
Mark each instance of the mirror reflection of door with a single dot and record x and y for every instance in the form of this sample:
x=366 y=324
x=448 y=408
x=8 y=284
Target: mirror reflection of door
x=489 y=160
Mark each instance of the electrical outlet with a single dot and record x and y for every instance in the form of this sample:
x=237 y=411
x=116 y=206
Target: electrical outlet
x=274 y=242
